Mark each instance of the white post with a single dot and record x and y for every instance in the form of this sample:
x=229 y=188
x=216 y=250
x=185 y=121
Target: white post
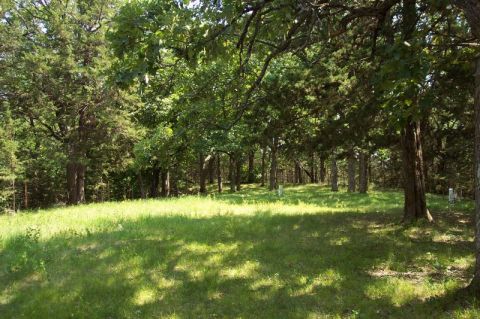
x=280 y=190
x=451 y=196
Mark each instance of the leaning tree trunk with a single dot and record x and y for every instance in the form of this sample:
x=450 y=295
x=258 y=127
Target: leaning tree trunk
x=363 y=173
x=219 y=173
x=351 y=172
x=415 y=205
x=273 y=166
x=334 y=174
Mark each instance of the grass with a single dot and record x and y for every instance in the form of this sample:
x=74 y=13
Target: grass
x=309 y=254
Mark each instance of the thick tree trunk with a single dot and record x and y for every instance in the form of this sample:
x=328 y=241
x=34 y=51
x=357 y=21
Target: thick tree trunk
x=219 y=173
x=81 y=183
x=415 y=206
x=363 y=173
x=202 y=174
x=264 y=153
x=165 y=185
x=334 y=174
x=72 y=183
x=351 y=172
x=251 y=167
x=273 y=166
x=475 y=284
x=231 y=173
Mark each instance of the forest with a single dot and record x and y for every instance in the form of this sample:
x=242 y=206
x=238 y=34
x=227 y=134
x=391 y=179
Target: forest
x=104 y=102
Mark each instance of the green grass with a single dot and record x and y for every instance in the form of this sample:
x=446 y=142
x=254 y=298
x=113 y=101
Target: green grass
x=309 y=254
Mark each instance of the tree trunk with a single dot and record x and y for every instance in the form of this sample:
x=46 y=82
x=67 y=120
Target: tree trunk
x=231 y=173
x=165 y=177
x=25 y=194
x=312 y=168
x=363 y=173
x=72 y=183
x=238 y=173
x=273 y=166
x=251 y=167
x=155 y=182
x=351 y=172
x=475 y=284
x=80 y=183
x=415 y=206
x=219 y=173
x=174 y=180
x=211 y=170
x=202 y=173
x=141 y=185
x=323 y=169
x=264 y=153
x=14 y=197
x=334 y=174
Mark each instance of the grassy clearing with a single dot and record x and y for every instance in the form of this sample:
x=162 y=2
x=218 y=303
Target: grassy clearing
x=310 y=254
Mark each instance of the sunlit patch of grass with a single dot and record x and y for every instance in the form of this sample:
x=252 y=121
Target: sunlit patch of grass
x=308 y=254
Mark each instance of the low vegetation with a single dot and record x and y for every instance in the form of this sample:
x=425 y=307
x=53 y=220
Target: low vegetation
x=309 y=254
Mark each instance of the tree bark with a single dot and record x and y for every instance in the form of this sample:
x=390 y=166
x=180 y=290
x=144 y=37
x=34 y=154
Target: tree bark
x=165 y=185
x=141 y=185
x=211 y=170
x=80 y=183
x=351 y=172
x=202 y=174
x=155 y=182
x=264 y=153
x=363 y=173
x=238 y=173
x=415 y=205
x=273 y=165
x=231 y=173
x=323 y=169
x=219 y=173
x=251 y=167
x=334 y=174
x=312 y=168
x=25 y=194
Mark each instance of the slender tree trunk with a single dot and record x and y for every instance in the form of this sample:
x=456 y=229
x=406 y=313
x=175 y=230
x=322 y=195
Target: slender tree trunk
x=81 y=183
x=155 y=182
x=238 y=173
x=231 y=173
x=14 y=197
x=273 y=166
x=211 y=170
x=25 y=194
x=363 y=173
x=251 y=167
x=264 y=153
x=323 y=170
x=219 y=173
x=312 y=168
x=351 y=172
x=174 y=180
x=202 y=173
x=475 y=284
x=141 y=185
x=165 y=177
x=72 y=183
x=334 y=173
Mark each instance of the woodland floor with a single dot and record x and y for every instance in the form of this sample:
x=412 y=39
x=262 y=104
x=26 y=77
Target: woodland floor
x=309 y=254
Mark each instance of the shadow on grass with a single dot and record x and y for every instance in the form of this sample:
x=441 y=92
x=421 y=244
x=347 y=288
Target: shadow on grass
x=263 y=266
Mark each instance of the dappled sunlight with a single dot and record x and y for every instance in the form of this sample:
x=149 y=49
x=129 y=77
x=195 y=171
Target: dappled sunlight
x=204 y=257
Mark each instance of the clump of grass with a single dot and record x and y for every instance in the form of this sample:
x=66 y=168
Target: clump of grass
x=308 y=254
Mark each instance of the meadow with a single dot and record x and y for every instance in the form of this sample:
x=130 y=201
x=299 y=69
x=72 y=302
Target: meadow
x=309 y=254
